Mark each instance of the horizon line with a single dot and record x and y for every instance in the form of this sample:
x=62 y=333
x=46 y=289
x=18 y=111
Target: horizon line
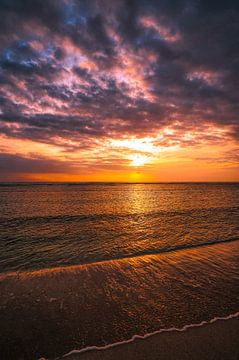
x=116 y=182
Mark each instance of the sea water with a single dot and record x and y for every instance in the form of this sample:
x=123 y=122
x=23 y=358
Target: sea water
x=95 y=264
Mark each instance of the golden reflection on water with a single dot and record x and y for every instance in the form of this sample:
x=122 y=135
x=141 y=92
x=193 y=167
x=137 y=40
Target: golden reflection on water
x=50 y=226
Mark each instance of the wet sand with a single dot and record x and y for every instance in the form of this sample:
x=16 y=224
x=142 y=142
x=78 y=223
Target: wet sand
x=217 y=341
x=48 y=313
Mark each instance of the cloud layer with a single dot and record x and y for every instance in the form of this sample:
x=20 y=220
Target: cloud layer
x=78 y=75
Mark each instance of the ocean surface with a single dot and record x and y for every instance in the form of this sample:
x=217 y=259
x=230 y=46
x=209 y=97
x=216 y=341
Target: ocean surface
x=45 y=226
x=94 y=264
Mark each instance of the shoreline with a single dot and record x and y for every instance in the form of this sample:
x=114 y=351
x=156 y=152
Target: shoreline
x=48 y=313
x=147 y=335
x=73 y=267
x=217 y=339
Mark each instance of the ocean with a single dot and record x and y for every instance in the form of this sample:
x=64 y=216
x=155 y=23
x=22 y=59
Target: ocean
x=94 y=264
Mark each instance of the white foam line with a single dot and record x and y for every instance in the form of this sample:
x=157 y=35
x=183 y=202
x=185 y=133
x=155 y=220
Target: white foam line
x=142 y=337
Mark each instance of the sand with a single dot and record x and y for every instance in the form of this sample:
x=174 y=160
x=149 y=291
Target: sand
x=47 y=313
x=217 y=341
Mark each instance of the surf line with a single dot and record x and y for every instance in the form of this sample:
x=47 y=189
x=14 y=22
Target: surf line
x=142 y=337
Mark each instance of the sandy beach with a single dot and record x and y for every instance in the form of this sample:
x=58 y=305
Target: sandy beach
x=217 y=341
x=48 y=313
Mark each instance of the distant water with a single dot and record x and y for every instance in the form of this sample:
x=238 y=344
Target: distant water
x=45 y=226
x=150 y=256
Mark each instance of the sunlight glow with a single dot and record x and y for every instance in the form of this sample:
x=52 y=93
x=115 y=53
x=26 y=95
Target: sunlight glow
x=138 y=151
x=139 y=160
x=142 y=145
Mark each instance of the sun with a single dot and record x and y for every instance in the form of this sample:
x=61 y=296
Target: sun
x=137 y=151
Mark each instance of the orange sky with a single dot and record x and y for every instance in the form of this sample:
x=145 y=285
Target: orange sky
x=128 y=159
x=114 y=93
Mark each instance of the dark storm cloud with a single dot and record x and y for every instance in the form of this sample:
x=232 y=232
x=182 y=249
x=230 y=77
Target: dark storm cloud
x=47 y=127
x=193 y=78
x=14 y=163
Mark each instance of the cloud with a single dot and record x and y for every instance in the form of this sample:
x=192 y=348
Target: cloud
x=81 y=71
x=14 y=163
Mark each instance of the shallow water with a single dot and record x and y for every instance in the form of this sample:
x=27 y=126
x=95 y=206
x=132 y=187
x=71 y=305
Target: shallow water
x=44 y=226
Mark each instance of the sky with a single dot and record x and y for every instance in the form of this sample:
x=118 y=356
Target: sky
x=120 y=90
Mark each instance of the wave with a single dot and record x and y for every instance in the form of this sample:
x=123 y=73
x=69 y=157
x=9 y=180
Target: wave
x=107 y=216
x=147 y=335
x=175 y=248
x=85 y=239
x=125 y=256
